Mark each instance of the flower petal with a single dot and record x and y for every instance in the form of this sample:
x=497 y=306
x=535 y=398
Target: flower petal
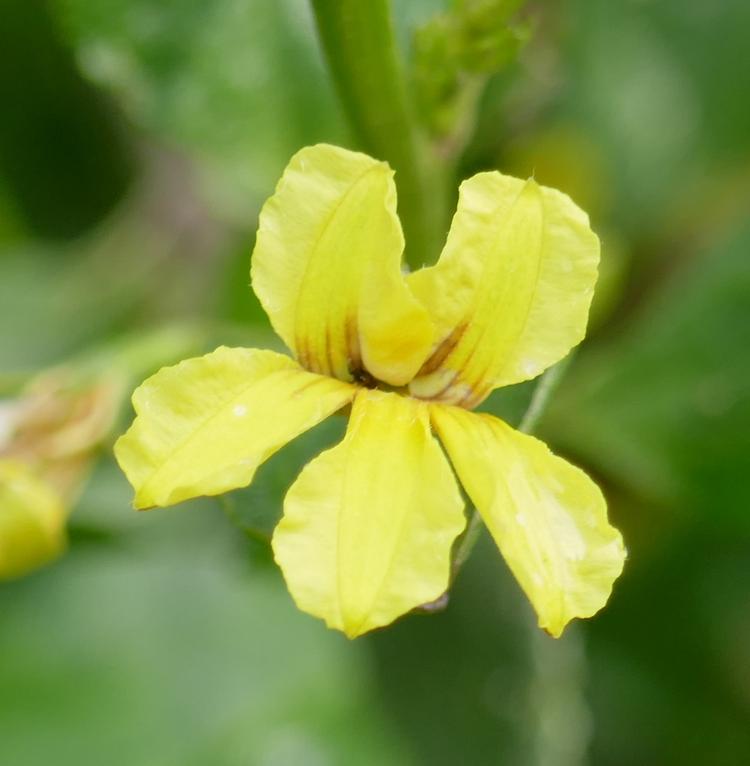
x=206 y=424
x=547 y=517
x=368 y=525
x=326 y=268
x=511 y=292
x=32 y=520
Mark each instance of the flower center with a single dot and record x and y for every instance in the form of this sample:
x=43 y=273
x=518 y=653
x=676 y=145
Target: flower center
x=363 y=378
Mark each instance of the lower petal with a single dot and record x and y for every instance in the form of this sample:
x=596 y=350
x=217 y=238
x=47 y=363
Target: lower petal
x=205 y=425
x=548 y=518
x=369 y=524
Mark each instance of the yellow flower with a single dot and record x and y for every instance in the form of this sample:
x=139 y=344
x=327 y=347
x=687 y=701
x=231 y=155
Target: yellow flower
x=368 y=525
x=48 y=438
x=32 y=520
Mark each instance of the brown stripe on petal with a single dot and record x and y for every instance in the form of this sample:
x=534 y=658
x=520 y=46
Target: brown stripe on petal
x=472 y=382
x=329 y=352
x=308 y=384
x=302 y=351
x=443 y=350
x=353 y=350
x=438 y=395
x=474 y=397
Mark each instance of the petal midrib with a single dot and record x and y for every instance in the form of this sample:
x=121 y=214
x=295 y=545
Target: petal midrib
x=311 y=265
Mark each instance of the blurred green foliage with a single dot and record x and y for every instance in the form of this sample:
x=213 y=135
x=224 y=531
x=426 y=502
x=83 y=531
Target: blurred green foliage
x=239 y=85
x=454 y=53
x=63 y=154
x=138 y=141
x=163 y=647
x=681 y=444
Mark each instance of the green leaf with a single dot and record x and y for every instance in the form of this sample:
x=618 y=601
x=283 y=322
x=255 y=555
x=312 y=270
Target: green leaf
x=664 y=409
x=168 y=651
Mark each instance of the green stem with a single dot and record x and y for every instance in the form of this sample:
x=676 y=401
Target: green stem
x=546 y=386
x=358 y=40
x=253 y=533
x=559 y=712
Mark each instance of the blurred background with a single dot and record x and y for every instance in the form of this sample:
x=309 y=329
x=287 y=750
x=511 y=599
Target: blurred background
x=138 y=140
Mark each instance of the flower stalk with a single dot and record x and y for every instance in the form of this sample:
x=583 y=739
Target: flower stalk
x=360 y=48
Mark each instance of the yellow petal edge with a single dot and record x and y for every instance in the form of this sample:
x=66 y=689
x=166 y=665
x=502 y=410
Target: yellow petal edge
x=369 y=524
x=205 y=425
x=547 y=517
x=327 y=269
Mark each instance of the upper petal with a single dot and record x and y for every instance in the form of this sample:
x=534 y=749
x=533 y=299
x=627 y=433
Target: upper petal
x=327 y=268
x=368 y=525
x=547 y=517
x=32 y=520
x=206 y=424
x=510 y=294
